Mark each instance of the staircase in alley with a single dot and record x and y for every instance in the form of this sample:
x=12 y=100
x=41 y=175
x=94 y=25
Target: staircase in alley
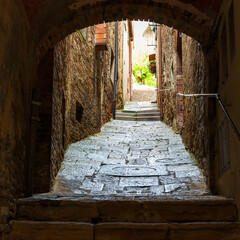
x=133 y=181
x=139 y=111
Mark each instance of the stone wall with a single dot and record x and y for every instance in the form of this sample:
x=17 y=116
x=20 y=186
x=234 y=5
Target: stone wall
x=125 y=62
x=28 y=32
x=119 y=95
x=195 y=80
x=82 y=90
x=105 y=75
x=169 y=85
x=16 y=74
x=195 y=75
x=227 y=150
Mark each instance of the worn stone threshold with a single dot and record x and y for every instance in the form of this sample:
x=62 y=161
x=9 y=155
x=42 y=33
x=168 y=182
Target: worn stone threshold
x=98 y=209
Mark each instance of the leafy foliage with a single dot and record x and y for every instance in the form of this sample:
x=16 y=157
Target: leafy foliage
x=143 y=75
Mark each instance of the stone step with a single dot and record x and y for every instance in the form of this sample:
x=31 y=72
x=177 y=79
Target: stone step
x=136 y=114
x=141 y=115
x=139 y=118
x=104 y=209
x=196 y=231
x=139 y=111
x=28 y=230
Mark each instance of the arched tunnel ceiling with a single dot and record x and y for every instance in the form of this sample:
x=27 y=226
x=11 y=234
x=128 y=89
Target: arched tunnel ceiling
x=52 y=20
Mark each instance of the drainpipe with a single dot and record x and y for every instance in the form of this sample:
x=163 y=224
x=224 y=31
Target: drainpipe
x=130 y=40
x=116 y=72
x=179 y=79
x=160 y=72
x=130 y=68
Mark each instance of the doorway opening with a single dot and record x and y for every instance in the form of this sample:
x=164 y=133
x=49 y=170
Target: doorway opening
x=144 y=62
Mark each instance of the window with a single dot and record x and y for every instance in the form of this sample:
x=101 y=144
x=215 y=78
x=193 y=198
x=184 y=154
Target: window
x=79 y=111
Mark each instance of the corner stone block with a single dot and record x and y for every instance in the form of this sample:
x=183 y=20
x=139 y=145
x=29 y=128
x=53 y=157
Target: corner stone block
x=51 y=231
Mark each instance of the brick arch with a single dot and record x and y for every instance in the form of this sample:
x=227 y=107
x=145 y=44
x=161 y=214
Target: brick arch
x=53 y=20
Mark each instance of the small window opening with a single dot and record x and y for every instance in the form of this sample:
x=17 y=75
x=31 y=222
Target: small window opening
x=164 y=61
x=79 y=111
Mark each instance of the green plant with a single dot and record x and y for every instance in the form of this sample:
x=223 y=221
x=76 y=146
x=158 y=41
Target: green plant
x=142 y=73
x=149 y=64
x=84 y=40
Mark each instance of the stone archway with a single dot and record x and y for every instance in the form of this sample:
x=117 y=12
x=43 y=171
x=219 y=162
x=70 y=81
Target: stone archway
x=33 y=27
x=53 y=20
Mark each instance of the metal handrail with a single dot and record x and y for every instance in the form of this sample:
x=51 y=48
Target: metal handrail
x=198 y=95
x=217 y=96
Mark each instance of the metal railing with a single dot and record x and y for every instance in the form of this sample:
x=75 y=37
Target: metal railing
x=217 y=96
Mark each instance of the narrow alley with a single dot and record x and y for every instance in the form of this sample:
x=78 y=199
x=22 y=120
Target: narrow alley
x=130 y=158
x=167 y=167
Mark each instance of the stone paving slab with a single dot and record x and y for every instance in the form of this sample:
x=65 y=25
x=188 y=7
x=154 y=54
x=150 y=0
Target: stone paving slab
x=139 y=181
x=133 y=170
x=130 y=159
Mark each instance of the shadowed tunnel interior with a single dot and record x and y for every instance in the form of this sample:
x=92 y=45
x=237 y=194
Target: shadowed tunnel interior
x=30 y=29
x=52 y=21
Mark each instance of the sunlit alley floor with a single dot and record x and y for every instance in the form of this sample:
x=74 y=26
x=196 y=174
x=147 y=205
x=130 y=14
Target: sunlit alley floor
x=130 y=159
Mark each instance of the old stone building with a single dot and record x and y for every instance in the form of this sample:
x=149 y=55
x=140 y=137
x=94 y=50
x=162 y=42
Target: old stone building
x=82 y=89
x=183 y=68
x=78 y=76
x=30 y=30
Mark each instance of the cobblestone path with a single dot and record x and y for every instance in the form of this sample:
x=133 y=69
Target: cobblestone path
x=130 y=159
x=143 y=93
